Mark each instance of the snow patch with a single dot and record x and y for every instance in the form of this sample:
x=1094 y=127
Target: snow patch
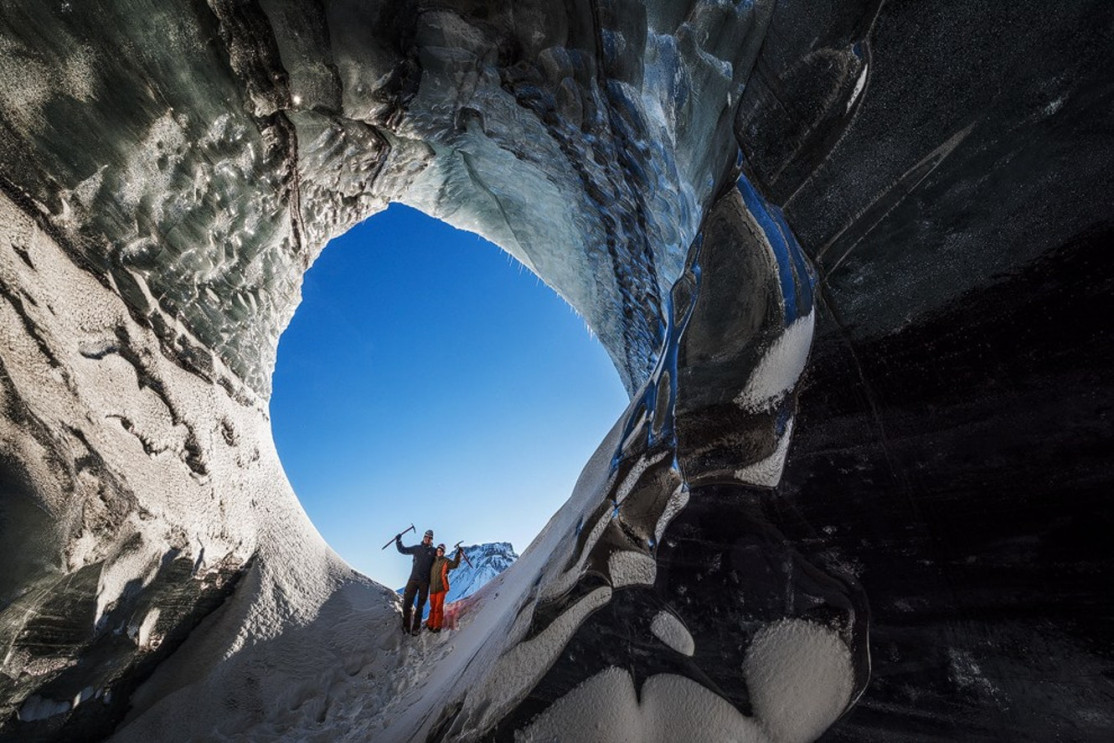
x=859 y=85
x=670 y=630
x=632 y=477
x=127 y=572
x=565 y=581
x=629 y=568
x=607 y=708
x=800 y=679
x=518 y=670
x=780 y=368
x=767 y=472
x=145 y=637
x=677 y=501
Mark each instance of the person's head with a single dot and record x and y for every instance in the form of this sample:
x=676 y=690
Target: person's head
x=428 y=538
x=440 y=549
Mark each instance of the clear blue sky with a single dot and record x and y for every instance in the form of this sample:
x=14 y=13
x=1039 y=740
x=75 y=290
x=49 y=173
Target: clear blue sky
x=427 y=377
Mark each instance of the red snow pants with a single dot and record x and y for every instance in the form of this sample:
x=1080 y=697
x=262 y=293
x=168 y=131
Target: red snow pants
x=436 y=610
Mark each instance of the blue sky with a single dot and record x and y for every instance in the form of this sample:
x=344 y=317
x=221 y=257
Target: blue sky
x=427 y=377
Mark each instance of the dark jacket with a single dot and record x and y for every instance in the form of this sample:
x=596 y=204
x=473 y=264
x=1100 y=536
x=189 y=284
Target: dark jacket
x=424 y=555
x=439 y=575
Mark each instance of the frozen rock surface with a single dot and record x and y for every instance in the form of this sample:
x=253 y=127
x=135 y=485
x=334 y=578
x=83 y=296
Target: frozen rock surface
x=850 y=260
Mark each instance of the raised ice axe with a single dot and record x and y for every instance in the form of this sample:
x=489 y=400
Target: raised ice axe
x=388 y=544
x=462 y=554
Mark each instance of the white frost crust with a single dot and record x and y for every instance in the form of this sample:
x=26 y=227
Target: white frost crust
x=565 y=580
x=780 y=368
x=122 y=570
x=518 y=670
x=28 y=83
x=677 y=501
x=644 y=462
x=800 y=679
x=767 y=472
x=629 y=568
x=607 y=709
x=859 y=85
x=166 y=438
x=303 y=649
x=146 y=637
x=798 y=674
x=669 y=629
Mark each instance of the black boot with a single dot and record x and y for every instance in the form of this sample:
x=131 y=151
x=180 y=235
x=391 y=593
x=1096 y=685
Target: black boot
x=406 y=622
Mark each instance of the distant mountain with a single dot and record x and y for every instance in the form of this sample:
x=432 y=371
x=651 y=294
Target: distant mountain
x=487 y=561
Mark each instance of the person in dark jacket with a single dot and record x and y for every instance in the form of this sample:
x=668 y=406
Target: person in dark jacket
x=439 y=586
x=418 y=585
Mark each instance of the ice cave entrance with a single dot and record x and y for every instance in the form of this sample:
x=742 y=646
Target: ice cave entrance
x=427 y=377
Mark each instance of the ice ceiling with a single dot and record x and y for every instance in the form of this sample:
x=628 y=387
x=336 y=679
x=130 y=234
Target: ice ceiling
x=913 y=199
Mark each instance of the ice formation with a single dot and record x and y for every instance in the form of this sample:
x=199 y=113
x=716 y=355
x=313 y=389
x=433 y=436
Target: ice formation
x=743 y=200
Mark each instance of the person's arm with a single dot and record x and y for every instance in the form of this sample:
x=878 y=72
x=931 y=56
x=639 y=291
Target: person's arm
x=400 y=548
x=456 y=560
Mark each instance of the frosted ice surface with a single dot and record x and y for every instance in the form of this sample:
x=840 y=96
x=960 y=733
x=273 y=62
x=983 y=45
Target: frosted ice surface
x=164 y=237
x=669 y=629
x=606 y=708
x=520 y=668
x=767 y=472
x=677 y=501
x=800 y=679
x=780 y=367
x=146 y=637
x=627 y=568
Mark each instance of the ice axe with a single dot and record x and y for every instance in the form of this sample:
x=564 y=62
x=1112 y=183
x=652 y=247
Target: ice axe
x=462 y=554
x=388 y=544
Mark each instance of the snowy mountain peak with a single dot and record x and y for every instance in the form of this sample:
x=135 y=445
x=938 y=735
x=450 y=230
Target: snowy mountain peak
x=485 y=561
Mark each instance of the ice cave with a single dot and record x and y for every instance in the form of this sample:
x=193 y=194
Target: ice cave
x=851 y=260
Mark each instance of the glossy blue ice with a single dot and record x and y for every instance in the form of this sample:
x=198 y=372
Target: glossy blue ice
x=793 y=269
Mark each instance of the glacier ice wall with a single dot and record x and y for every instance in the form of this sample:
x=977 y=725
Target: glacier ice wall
x=848 y=258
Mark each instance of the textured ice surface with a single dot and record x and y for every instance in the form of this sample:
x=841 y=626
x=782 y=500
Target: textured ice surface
x=799 y=677
x=669 y=630
x=592 y=170
x=780 y=367
x=169 y=171
x=592 y=156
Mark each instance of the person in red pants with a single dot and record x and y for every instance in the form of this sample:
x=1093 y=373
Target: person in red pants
x=439 y=586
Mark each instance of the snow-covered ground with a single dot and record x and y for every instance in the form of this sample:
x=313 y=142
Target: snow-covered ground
x=350 y=674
